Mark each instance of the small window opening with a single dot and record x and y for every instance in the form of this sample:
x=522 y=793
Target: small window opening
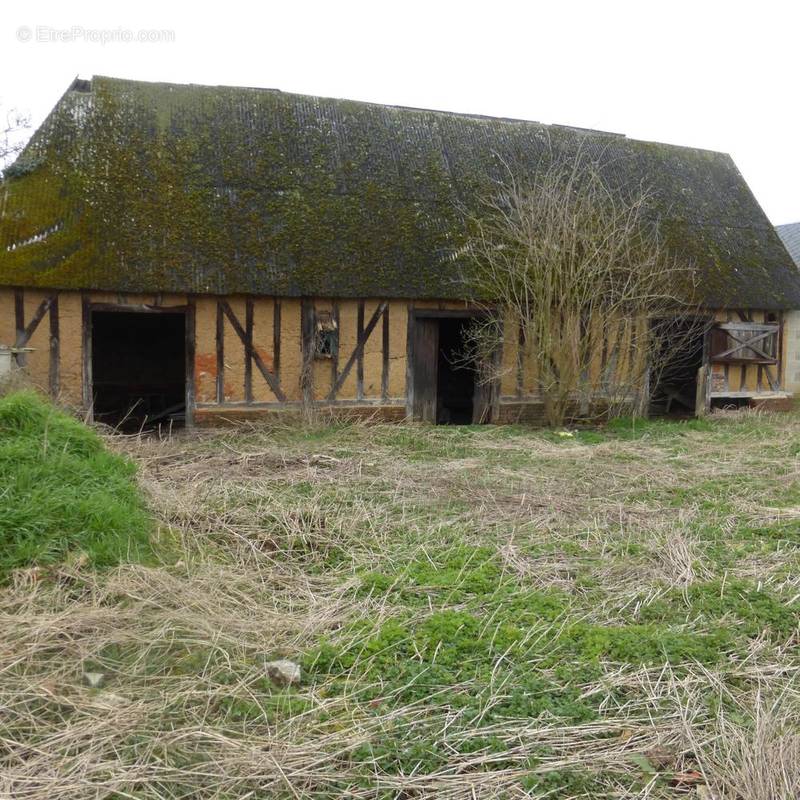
x=326 y=343
x=729 y=344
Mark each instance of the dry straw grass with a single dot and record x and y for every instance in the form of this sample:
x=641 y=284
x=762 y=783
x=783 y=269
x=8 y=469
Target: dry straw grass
x=751 y=747
x=250 y=519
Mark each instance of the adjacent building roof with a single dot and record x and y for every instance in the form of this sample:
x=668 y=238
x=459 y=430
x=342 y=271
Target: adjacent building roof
x=133 y=186
x=790 y=236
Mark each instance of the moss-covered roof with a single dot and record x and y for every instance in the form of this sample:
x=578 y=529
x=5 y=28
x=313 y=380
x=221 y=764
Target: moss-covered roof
x=135 y=186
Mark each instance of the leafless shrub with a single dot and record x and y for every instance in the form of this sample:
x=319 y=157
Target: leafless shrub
x=575 y=272
x=13 y=124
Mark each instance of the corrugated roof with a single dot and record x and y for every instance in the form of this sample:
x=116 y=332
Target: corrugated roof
x=161 y=187
x=790 y=236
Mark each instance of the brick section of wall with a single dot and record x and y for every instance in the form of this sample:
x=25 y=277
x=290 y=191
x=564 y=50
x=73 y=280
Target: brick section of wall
x=528 y=413
x=771 y=403
x=531 y=412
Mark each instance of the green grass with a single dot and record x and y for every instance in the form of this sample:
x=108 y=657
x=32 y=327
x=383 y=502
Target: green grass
x=478 y=611
x=63 y=494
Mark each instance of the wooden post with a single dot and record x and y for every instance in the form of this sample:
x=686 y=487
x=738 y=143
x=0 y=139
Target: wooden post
x=335 y=316
x=307 y=339
x=276 y=339
x=54 y=348
x=248 y=351
x=86 y=361
x=220 y=340
x=19 y=318
x=360 y=362
x=701 y=395
x=385 y=356
x=644 y=395
x=189 y=327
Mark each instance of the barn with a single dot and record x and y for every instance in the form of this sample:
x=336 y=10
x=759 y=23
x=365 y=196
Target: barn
x=201 y=253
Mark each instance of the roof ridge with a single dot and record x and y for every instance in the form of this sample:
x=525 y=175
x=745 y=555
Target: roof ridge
x=457 y=114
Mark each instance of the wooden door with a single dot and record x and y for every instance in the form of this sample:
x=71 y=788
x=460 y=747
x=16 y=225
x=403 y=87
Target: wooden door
x=423 y=368
x=482 y=400
x=486 y=390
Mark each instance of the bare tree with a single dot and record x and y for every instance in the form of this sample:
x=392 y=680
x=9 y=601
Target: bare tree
x=13 y=124
x=579 y=280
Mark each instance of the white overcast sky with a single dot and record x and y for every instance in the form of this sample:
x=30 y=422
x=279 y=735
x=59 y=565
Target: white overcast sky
x=717 y=75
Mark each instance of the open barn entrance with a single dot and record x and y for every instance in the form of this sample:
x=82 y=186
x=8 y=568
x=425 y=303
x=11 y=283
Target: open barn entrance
x=678 y=355
x=444 y=387
x=138 y=368
x=455 y=383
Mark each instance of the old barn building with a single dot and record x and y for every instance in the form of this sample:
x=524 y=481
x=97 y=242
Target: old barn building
x=222 y=252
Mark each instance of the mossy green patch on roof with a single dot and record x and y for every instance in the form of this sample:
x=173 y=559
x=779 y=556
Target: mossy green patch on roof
x=134 y=186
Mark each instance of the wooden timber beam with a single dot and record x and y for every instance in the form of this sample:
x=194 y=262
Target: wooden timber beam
x=357 y=356
x=251 y=354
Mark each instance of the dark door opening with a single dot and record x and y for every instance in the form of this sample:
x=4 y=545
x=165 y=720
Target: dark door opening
x=678 y=352
x=139 y=369
x=455 y=381
x=444 y=385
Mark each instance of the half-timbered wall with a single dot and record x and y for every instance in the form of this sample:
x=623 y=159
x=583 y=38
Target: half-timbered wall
x=252 y=354
x=46 y=329
x=520 y=381
x=258 y=353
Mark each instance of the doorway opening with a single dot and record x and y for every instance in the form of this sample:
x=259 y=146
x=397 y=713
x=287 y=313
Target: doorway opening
x=444 y=384
x=678 y=352
x=139 y=369
x=455 y=381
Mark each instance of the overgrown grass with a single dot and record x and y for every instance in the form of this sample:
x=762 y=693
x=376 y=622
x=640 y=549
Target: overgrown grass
x=62 y=493
x=478 y=612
